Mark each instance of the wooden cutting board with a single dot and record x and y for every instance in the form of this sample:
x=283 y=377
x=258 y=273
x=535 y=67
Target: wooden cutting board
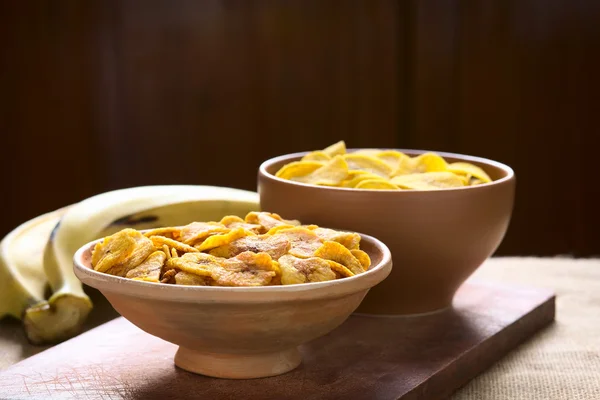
x=370 y=357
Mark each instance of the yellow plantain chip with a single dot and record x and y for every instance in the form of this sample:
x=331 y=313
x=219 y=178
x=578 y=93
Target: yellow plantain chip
x=222 y=239
x=376 y=184
x=331 y=173
x=275 y=246
x=353 y=173
x=335 y=149
x=233 y=222
x=185 y=278
x=318 y=156
x=231 y=219
x=268 y=220
x=475 y=181
x=426 y=162
x=276 y=229
x=363 y=257
x=120 y=252
x=367 y=163
x=349 y=240
x=301 y=270
x=171 y=233
x=334 y=251
x=194 y=263
x=465 y=179
x=303 y=242
x=392 y=158
x=159 y=241
x=149 y=269
x=196 y=232
x=351 y=183
x=340 y=270
x=246 y=269
x=428 y=181
x=467 y=169
x=166 y=250
x=298 y=169
x=368 y=152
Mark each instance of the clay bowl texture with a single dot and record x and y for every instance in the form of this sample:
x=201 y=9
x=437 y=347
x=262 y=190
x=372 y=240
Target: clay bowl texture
x=237 y=332
x=437 y=238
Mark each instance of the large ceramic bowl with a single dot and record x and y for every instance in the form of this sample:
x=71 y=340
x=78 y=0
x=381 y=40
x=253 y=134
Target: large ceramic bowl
x=237 y=332
x=437 y=238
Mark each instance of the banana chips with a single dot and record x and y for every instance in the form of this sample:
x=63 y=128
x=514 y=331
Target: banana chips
x=261 y=249
x=381 y=170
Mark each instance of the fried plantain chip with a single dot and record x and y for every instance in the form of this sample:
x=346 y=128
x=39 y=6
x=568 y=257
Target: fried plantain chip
x=368 y=152
x=363 y=257
x=367 y=163
x=276 y=229
x=335 y=149
x=332 y=173
x=392 y=158
x=340 y=270
x=352 y=183
x=194 y=263
x=196 y=232
x=318 y=156
x=334 y=251
x=376 y=184
x=426 y=162
x=301 y=270
x=349 y=240
x=171 y=232
x=149 y=270
x=428 y=181
x=159 y=241
x=303 y=242
x=275 y=246
x=233 y=222
x=268 y=220
x=246 y=269
x=185 y=278
x=166 y=250
x=120 y=252
x=298 y=169
x=222 y=239
x=470 y=170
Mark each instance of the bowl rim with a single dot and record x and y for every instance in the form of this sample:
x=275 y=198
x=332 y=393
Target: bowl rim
x=228 y=294
x=510 y=174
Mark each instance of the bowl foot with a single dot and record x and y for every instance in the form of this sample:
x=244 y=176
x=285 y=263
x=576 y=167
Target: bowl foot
x=237 y=366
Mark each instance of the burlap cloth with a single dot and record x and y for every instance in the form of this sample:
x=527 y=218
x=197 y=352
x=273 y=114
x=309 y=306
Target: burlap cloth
x=561 y=362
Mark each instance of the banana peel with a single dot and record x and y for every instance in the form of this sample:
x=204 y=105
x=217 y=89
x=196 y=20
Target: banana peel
x=64 y=313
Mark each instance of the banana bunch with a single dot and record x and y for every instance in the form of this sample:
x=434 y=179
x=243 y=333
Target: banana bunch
x=38 y=254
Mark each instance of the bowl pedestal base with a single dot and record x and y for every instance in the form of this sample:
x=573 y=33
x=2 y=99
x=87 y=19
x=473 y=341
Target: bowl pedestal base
x=237 y=366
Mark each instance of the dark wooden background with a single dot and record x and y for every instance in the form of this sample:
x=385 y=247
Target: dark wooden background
x=102 y=95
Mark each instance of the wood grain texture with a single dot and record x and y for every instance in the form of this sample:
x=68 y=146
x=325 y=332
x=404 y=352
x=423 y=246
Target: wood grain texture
x=426 y=357
x=216 y=87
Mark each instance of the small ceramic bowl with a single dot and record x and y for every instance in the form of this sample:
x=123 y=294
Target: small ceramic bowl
x=237 y=332
x=437 y=238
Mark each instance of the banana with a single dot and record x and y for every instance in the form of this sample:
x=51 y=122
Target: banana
x=22 y=277
x=63 y=315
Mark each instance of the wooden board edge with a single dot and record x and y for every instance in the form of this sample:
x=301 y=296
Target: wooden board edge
x=473 y=363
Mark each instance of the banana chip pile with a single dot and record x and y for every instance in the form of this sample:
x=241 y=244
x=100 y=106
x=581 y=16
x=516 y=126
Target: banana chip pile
x=381 y=170
x=260 y=250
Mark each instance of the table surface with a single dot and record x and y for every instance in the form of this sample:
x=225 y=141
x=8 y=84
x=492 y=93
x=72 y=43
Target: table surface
x=561 y=362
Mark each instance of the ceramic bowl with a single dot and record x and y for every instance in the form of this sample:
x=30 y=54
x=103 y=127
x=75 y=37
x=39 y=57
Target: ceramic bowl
x=437 y=238
x=237 y=332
